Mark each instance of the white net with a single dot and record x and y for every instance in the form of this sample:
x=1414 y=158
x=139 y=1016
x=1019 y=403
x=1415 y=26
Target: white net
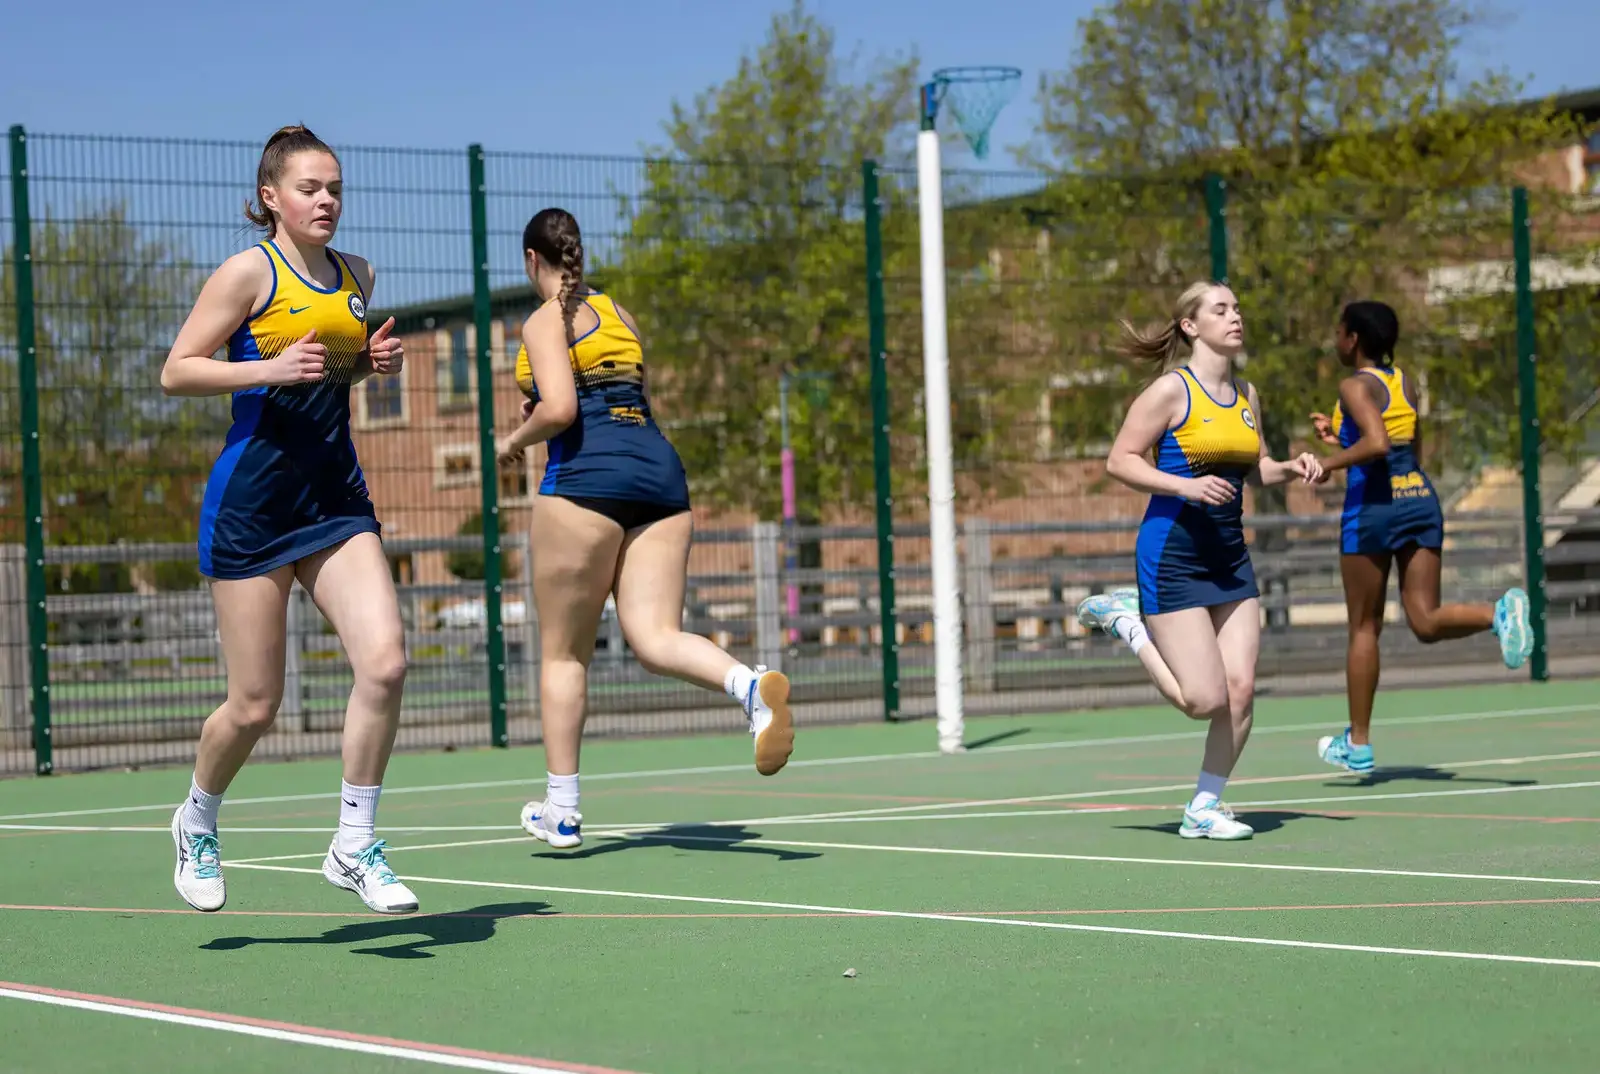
x=975 y=96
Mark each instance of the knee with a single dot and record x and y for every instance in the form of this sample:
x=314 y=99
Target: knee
x=384 y=668
x=1205 y=703
x=254 y=709
x=1241 y=695
x=1365 y=630
x=1424 y=627
x=651 y=649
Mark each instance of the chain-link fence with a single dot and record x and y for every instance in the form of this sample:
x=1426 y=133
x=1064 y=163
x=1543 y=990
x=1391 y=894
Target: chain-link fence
x=761 y=292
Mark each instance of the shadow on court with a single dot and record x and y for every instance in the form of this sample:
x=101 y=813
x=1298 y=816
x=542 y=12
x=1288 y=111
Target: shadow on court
x=1261 y=820
x=421 y=930
x=1426 y=774
x=699 y=838
x=996 y=739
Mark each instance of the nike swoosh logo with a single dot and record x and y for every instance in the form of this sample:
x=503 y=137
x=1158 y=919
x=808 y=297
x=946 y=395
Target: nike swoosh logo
x=302 y=309
x=349 y=803
x=1205 y=421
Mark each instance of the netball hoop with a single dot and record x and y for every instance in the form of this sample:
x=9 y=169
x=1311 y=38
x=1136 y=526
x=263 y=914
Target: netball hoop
x=975 y=96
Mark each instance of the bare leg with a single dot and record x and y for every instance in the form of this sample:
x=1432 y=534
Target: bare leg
x=651 y=578
x=1188 y=642
x=1419 y=595
x=1239 y=639
x=575 y=554
x=351 y=585
x=1366 y=584
x=251 y=619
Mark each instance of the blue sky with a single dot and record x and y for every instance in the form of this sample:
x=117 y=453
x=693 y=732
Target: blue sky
x=539 y=76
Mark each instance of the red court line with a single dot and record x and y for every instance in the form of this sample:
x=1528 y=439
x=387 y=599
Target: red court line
x=313 y=1031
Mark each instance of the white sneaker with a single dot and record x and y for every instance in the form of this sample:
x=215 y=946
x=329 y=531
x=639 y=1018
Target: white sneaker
x=771 y=723
x=198 y=874
x=369 y=876
x=561 y=830
x=1213 y=820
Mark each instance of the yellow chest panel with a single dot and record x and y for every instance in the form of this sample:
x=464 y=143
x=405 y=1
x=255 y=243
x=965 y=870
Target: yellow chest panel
x=607 y=354
x=296 y=306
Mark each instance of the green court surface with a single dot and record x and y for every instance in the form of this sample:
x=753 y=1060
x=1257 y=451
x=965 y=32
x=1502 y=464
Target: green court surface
x=1026 y=906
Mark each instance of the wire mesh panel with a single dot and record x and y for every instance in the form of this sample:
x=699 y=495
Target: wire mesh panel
x=1565 y=278
x=748 y=286
x=1443 y=262
x=125 y=232
x=1038 y=272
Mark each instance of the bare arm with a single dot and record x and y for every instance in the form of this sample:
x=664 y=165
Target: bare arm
x=226 y=301
x=545 y=337
x=1355 y=396
x=1270 y=471
x=1150 y=416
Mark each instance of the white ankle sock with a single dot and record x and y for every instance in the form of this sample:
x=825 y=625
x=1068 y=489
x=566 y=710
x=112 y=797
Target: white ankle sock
x=358 y=817
x=1131 y=631
x=200 y=811
x=738 y=682
x=1208 y=790
x=562 y=792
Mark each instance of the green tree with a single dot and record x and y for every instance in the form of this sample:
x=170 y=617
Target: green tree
x=744 y=259
x=120 y=461
x=1357 y=158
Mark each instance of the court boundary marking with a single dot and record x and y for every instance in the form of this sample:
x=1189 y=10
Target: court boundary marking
x=294 y=1033
x=1014 y=922
x=850 y=759
x=953 y=810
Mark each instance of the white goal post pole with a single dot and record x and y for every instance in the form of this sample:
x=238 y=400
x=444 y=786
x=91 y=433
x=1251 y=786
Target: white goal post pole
x=949 y=705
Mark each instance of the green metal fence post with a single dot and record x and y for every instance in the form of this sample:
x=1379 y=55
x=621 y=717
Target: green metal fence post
x=488 y=466
x=1528 y=408
x=1217 y=213
x=32 y=478
x=888 y=615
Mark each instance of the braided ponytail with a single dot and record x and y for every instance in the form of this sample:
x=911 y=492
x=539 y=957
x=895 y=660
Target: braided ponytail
x=553 y=234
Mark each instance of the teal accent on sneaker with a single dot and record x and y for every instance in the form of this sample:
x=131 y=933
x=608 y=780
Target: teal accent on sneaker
x=372 y=860
x=206 y=853
x=1340 y=752
x=1513 y=625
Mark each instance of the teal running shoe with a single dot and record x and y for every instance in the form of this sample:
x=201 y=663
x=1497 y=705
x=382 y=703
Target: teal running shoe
x=1340 y=752
x=1513 y=625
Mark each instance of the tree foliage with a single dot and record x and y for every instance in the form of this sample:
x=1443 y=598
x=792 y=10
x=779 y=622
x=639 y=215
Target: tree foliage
x=1358 y=160
x=120 y=460
x=745 y=259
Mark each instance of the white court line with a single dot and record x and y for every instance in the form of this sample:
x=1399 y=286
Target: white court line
x=654 y=833
x=826 y=762
x=896 y=814
x=306 y=1035
x=1062 y=926
x=1162 y=788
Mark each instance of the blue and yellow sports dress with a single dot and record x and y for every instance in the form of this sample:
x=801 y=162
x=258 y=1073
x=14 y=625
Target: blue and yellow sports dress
x=1389 y=503
x=1193 y=555
x=613 y=458
x=287 y=483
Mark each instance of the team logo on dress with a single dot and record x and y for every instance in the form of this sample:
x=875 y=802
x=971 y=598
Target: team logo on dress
x=358 y=308
x=1249 y=418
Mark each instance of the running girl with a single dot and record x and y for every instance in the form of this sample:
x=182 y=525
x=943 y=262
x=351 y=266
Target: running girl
x=286 y=500
x=612 y=517
x=1391 y=515
x=1197 y=589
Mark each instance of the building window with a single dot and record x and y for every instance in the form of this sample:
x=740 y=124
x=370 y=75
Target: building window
x=454 y=465
x=383 y=400
x=514 y=482
x=455 y=369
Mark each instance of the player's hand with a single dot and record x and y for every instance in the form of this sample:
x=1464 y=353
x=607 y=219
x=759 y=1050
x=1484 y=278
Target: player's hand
x=1307 y=466
x=387 y=353
x=1210 y=489
x=506 y=450
x=1322 y=425
x=302 y=362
